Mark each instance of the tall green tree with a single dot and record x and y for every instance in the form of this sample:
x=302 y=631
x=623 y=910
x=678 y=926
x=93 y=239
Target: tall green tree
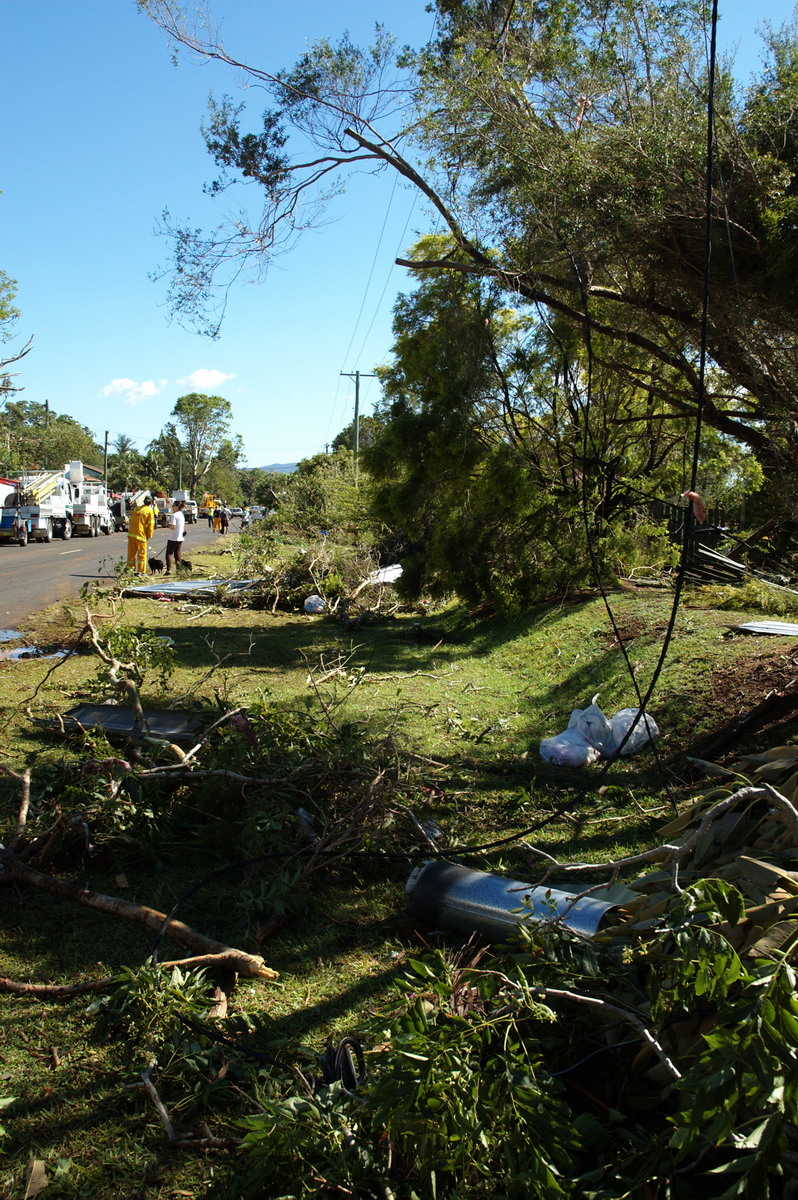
x=498 y=446
x=34 y=437
x=368 y=427
x=127 y=470
x=259 y=486
x=200 y=427
x=562 y=147
x=224 y=476
x=324 y=493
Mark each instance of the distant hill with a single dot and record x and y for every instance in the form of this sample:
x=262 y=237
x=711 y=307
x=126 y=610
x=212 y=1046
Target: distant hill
x=283 y=468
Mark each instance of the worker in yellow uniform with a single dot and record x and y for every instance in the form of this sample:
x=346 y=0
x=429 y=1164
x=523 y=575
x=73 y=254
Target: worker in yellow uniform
x=141 y=527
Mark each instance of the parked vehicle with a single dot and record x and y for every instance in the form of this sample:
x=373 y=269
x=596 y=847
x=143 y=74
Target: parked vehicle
x=91 y=510
x=119 y=513
x=190 y=508
x=209 y=503
x=129 y=501
x=38 y=508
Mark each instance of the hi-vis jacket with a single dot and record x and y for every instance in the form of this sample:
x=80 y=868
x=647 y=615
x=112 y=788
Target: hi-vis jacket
x=141 y=523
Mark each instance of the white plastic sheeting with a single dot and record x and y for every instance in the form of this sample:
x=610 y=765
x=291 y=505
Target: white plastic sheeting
x=190 y=587
x=386 y=574
x=591 y=735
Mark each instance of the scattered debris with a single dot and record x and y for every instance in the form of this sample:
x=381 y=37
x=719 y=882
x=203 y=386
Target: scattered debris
x=775 y=628
x=451 y=896
x=117 y=722
x=22 y=653
x=190 y=587
x=590 y=735
x=386 y=574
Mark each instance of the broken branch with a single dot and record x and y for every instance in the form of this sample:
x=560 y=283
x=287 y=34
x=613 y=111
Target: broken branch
x=239 y=960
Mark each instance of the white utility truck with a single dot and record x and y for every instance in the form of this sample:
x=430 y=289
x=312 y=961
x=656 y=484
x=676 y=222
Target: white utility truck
x=38 y=509
x=189 y=505
x=91 y=511
x=48 y=504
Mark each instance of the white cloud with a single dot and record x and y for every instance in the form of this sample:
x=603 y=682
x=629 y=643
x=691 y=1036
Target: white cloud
x=203 y=378
x=133 y=392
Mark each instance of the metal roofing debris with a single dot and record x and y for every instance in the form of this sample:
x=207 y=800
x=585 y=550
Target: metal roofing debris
x=21 y=653
x=120 y=722
x=782 y=628
x=455 y=897
x=190 y=587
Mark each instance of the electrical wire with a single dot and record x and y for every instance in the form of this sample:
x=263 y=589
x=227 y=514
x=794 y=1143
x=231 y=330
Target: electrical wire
x=378 y=303
x=643 y=699
x=426 y=855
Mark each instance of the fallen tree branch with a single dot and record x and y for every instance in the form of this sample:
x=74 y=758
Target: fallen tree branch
x=206 y=1142
x=126 y=683
x=624 y=1014
x=603 y=1006
x=227 y=964
x=217 y=666
x=23 y=779
x=55 y=991
x=170 y=770
x=675 y=853
x=184 y=935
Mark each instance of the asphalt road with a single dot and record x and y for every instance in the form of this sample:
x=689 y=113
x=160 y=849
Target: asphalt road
x=43 y=573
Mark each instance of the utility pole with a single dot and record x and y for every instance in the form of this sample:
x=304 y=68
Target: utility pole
x=105 y=460
x=357 y=376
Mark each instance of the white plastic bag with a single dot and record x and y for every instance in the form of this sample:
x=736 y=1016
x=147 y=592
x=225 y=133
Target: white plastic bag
x=315 y=604
x=593 y=726
x=591 y=735
x=644 y=731
x=568 y=749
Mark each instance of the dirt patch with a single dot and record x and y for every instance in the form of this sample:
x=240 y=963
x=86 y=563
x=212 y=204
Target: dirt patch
x=629 y=630
x=752 y=707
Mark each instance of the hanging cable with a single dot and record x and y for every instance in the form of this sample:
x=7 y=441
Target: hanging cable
x=643 y=699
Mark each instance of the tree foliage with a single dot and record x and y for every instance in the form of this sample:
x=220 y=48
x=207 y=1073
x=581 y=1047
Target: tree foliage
x=325 y=494
x=496 y=448
x=563 y=149
x=9 y=315
x=203 y=421
x=35 y=438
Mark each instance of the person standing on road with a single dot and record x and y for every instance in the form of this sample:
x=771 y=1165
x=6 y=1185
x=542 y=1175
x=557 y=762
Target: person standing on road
x=141 y=527
x=177 y=531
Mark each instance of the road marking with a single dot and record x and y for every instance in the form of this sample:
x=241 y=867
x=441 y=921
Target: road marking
x=71 y=551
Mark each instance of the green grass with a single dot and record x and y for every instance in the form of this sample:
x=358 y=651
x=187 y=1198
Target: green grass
x=451 y=708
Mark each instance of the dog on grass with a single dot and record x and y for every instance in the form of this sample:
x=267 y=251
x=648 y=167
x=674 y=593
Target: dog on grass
x=184 y=565
x=155 y=565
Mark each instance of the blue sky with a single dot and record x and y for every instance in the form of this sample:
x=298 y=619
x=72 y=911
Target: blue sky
x=101 y=133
